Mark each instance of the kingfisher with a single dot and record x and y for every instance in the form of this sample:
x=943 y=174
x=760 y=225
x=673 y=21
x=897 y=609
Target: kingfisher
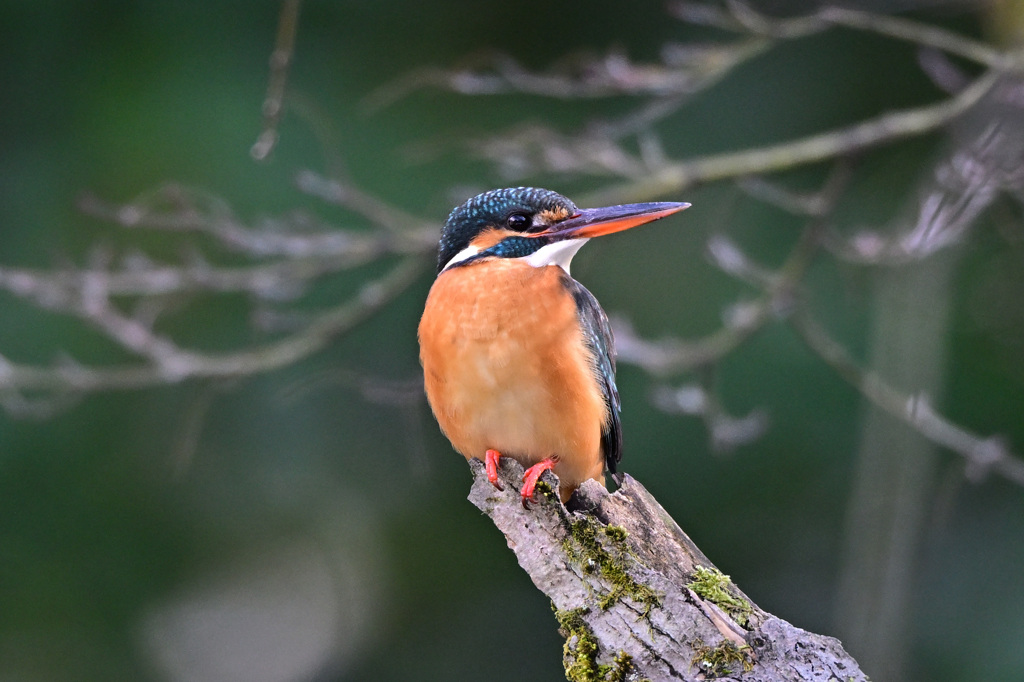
x=518 y=357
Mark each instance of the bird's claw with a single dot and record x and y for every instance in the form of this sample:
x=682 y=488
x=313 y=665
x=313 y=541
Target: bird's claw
x=491 y=458
x=530 y=478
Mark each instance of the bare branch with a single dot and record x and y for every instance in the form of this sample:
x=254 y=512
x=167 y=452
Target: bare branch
x=817 y=204
x=676 y=177
x=982 y=454
x=172 y=364
x=281 y=280
x=532 y=149
x=636 y=599
x=280 y=61
x=670 y=356
x=666 y=357
x=376 y=210
x=923 y=35
x=726 y=431
x=584 y=76
x=959 y=189
x=174 y=208
x=741 y=16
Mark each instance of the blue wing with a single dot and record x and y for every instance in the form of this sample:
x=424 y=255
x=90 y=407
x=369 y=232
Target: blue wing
x=598 y=335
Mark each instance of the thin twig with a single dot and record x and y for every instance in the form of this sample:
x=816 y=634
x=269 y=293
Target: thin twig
x=378 y=211
x=278 y=280
x=921 y=34
x=280 y=61
x=174 y=208
x=982 y=454
x=180 y=365
x=671 y=356
x=915 y=32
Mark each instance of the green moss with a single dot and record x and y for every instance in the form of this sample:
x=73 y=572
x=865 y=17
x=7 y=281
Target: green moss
x=712 y=584
x=616 y=533
x=720 y=660
x=602 y=549
x=545 y=489
x=581 y=650
x=622 y=666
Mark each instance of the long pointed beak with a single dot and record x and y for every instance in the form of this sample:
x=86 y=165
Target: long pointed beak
x=595 y=222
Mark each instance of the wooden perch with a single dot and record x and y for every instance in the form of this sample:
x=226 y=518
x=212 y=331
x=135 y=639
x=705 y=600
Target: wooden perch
x=636 y=599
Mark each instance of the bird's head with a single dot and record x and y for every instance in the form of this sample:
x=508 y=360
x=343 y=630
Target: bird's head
x=537 y=225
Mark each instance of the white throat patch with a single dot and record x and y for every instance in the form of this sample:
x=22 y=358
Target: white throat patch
x=467 y=252
x=558 y=253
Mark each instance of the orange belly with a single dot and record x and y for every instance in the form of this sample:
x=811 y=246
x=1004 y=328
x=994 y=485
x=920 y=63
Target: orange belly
x=506 y=368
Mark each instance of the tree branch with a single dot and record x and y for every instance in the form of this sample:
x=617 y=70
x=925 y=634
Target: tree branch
x=168 y=363
x=983 y=455
x=280 y=61
x=675 y=177
x=636 y=599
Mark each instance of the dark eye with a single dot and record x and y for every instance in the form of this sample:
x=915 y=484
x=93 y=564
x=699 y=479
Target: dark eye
x=518 y=222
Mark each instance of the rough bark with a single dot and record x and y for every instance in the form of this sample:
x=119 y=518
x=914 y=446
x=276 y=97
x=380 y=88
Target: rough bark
x=636 y=599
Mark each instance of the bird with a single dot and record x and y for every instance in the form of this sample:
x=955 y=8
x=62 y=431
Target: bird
x=518 y=357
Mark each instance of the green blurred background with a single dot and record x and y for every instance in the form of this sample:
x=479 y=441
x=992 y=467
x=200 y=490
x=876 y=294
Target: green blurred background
x=290 y=526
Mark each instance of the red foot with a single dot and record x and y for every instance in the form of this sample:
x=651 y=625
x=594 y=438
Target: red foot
x=491 y=464
x=533 y=475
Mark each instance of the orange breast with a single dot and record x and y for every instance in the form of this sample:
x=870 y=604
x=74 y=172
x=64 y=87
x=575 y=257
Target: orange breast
x=505 y=367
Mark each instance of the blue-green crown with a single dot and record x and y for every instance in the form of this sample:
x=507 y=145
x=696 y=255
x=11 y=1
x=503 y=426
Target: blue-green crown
x=492 y=209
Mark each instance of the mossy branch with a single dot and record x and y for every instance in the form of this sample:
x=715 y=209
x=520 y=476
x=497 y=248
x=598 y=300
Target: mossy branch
x=636 y=599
